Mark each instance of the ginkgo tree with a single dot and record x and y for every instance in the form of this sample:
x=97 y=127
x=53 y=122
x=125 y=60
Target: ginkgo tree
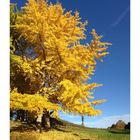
x=50 y=67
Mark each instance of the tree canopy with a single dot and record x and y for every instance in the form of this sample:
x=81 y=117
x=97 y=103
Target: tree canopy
x=50 y=67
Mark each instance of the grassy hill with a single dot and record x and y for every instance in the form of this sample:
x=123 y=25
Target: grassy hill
x=22 y=131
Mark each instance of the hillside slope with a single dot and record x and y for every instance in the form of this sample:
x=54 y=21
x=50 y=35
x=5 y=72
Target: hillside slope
x=22 y=131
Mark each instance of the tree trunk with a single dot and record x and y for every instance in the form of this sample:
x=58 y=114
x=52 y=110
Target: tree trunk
x=46 y=120
x=83 y=120
x=38 y=123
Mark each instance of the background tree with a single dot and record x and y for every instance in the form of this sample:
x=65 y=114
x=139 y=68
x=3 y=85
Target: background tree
x=94 y=103
x=82 y=118
x=49 y=65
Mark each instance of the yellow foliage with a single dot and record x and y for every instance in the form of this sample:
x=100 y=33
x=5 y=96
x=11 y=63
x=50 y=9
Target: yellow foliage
x=62 y=64
x=33 y=103
x=98 y=102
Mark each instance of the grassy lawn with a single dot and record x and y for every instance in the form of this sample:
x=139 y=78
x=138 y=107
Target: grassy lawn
x=69 y=132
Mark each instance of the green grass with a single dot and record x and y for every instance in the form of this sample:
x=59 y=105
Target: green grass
x=69 y=132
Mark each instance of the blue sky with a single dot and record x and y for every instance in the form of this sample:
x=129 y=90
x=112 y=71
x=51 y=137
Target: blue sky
x=112 y=20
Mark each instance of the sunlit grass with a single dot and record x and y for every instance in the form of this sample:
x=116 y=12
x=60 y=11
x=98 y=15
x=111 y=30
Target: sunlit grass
x=69 y=132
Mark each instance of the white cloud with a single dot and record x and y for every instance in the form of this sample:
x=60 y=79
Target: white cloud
x=108 y=121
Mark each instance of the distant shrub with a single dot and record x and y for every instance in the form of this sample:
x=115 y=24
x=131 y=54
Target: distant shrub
x=127 y=126
x=120 y=125
x=113 y=126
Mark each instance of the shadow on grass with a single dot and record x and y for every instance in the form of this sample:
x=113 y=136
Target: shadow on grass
x=23 y=127
x=116 y=131
x=76 y=134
